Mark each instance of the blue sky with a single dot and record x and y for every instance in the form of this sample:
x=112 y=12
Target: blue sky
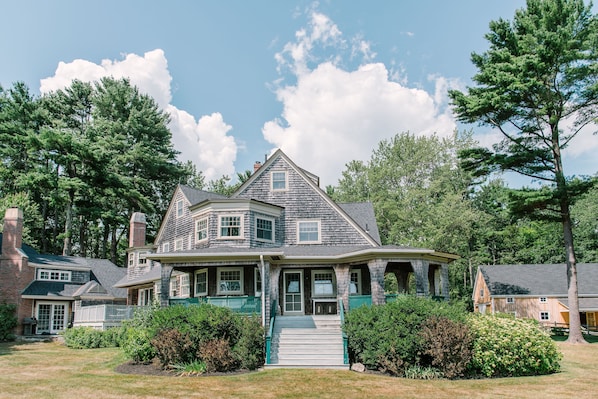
x=325 y=81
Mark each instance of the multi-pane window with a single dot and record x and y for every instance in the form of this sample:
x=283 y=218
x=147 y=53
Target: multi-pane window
x=257 y=278
x=131 y=259
x=178 y=244
x=279 y=181
x=201 y=229
x=146 y=296
x=543 y=299
x=323 y=282
x=264 y=229
x=166 y=247
x=54 y=275
x=201 y=282
x=185 y=285
x=510 y=300
x=142 y=258
x=230 y=281
x=355 y=284
x=544 y=316
x=309 y=231
x=179 y=208
x=230 y=226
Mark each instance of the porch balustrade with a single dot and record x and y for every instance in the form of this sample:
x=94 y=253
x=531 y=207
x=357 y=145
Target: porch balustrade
x=240 y=304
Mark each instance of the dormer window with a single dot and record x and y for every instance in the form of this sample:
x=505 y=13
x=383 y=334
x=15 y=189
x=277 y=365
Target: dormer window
x=201 y=229
x=264 y=229
x=308 y=231
x=54 y=275
x=279 y=180
x=230 y=227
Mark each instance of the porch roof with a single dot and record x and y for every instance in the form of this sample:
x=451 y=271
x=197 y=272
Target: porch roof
x=585 y=304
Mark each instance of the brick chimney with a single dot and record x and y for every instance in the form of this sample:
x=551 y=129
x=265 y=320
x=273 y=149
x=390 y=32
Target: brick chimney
x=256 y=166
x=12 y=236
x=137 y=230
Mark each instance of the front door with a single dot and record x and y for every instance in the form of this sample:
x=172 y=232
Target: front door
x=293 y=292
x=51 y=317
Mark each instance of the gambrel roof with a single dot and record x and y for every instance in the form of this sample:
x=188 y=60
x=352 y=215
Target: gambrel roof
x=538 y=279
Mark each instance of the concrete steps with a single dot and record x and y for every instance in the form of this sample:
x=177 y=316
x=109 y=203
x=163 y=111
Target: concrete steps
x=307 y=342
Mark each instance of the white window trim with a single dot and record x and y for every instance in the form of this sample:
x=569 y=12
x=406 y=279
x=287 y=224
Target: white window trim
x=547 y=315
x=197 y=273
x=241 y=227
x=207 y=229
x=241 y=281
x=180 y=209
x=142 y=258
x=257 y=277
x=132 y=259
x=67 y=273
x=145 y=296
x=313 y=283
x=166 y=247
x=510 y=300
x=543 y=299
x=358 y=285
x=319 y=224
x=286 y=180
x=185 y=285
x=273 y=239
x=178 y=244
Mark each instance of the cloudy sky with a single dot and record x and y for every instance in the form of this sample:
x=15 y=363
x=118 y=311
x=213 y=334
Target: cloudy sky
x=324 y=81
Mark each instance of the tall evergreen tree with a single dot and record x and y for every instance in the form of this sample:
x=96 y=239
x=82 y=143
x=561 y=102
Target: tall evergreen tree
x=538 y=85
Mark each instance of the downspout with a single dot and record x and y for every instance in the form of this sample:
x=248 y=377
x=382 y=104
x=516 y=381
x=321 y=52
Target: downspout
x=262 y=272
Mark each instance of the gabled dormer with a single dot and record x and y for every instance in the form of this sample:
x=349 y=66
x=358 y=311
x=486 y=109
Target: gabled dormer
x=311 y=217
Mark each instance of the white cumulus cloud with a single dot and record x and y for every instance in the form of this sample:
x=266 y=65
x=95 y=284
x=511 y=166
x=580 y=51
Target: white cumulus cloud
x=205 y=142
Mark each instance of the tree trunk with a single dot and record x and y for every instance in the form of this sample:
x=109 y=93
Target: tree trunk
x=68 y=225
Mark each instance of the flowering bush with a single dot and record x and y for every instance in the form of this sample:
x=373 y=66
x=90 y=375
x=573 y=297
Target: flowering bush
x=505 y=346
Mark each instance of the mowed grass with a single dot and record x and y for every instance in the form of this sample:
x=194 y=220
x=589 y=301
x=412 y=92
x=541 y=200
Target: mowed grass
x=50 y=370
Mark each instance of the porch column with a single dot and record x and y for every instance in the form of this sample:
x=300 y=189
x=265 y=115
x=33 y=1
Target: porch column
x=166 y=271
x=342 y=284
x=274 y=276
x=377 y=267
x=422 y=285
x=266 y=295
x=444 y=280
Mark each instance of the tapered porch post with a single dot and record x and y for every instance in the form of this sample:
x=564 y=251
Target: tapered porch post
x=422 y=285
x=342 y=284
x=274 y=289
x=165 y=274
x=377 y=268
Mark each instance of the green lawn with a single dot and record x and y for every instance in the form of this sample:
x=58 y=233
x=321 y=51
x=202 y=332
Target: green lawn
x=50 y=370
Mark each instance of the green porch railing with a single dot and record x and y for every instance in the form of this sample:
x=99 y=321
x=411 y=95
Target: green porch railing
x=341 y=311
x=270 y=331
x=356 y=301
x=239 y=304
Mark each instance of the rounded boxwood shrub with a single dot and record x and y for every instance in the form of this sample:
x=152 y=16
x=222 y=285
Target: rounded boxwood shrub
x=505 y=346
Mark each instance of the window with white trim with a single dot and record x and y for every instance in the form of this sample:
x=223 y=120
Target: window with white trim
x=308 y=231
x=355 y=283
x=54 y=275
x=230 y=281
x=146 y=296
x=544 y=316
x=543 y=299
x=179 y=208
x=230 y=226
x=131 y=258
x=323 y=282
x=264 y=229
x=201 y=282
x=166 y=247
x=510 y=299
x=175 y=286
x=257 y=282
x=185 y=285
x=178 y=244
x=142 y=258
x=201 y=229
x=278 y=180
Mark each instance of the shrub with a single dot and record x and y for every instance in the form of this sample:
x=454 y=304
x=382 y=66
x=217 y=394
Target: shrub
x=137 y=345
x=172 y=347
x=386 y=337
x=249 y=349
x=505 y=346
x=423 y=373
x=8 y=321
x=447 y=344
x=90 y=338
x=217 y=355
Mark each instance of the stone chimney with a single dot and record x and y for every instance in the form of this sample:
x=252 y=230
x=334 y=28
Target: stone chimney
x=256 y=166
x=137 y=230
x=12 y=236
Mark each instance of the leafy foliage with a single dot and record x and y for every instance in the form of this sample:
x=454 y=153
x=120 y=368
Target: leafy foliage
x=90 y=338
x=172 y=347
x=505 y=346
x=8 y=321
x=218 y=356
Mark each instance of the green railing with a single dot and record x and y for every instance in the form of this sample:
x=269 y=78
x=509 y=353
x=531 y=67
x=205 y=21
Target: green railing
x=239 y=304
x=341 y=311
x=270 y=331
x=356 y=301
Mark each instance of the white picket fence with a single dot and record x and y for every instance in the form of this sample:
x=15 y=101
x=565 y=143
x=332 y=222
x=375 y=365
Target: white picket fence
x=102 y=317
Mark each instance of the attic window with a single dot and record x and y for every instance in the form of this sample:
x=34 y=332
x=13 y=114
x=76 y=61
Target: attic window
x=279 y=181
x=179 y=208
x=308 y=231
x=510 y=299
x=543 y=299
x=54 y=275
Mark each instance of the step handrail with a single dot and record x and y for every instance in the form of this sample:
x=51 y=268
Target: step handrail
x=341 y=309
x=270 y=331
